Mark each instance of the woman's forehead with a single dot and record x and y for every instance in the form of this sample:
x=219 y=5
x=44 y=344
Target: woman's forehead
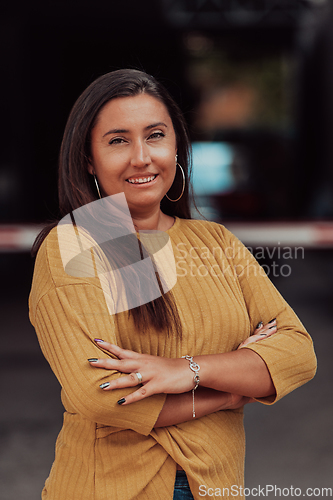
x=135 y=108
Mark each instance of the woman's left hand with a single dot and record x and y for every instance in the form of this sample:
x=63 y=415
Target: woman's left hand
x=159 y=374
x=156 y=374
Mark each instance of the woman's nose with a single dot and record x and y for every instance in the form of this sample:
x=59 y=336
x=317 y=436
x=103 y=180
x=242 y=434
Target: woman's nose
x=140 y=155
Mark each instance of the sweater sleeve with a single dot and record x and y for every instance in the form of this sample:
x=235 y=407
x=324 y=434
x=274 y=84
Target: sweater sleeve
x=289 y=354
x=68 y=314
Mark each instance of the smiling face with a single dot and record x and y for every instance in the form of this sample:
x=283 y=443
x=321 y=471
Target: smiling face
x=133 y=148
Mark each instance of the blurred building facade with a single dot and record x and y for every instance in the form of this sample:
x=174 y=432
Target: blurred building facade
x=234 y=68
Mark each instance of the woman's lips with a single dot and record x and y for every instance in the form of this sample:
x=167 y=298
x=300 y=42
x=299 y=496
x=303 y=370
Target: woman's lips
x=142 y=180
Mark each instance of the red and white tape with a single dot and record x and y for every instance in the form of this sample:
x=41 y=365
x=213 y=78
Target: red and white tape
x=304 y=234
x=19 y=238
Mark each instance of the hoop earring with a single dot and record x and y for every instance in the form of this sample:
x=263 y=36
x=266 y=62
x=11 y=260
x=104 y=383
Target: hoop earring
x=183 y=188
x=97 y=187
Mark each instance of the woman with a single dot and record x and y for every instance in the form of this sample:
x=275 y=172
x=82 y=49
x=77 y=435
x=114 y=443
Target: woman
x=137 y=410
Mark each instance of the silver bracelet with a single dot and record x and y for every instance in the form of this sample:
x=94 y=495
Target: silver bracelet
x=196 y=379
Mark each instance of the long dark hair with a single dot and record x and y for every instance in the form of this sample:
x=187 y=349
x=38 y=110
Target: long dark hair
x=75 y=184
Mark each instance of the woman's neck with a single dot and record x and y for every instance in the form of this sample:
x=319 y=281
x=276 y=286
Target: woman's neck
x=153 y=221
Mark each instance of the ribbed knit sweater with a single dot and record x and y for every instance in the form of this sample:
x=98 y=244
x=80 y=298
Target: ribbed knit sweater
x=110 y=452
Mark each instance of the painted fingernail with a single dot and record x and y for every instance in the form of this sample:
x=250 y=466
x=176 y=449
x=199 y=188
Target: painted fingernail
x=98 y=340
x=121 y=401
x=271 y=321
x=106 y=384
x=270 y=328
x=92 y=360
x=259 y=325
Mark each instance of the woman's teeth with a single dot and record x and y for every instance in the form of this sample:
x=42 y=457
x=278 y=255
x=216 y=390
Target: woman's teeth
x=142 y=180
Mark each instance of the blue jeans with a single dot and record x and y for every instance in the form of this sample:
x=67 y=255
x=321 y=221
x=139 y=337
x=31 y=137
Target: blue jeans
x=182 y=490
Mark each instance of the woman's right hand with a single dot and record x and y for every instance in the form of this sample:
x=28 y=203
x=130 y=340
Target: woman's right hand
x=261 y=332
x=234 y=401
x=158 y=375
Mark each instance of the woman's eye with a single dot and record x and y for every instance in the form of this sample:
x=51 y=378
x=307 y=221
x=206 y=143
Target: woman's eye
x=156 y=135
x=116 y=140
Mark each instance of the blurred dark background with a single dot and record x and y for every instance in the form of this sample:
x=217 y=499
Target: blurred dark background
x=256 y=75
x=254 y=79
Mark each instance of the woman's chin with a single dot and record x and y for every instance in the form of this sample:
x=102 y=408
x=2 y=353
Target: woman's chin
x=144 y=205
x=144 y=200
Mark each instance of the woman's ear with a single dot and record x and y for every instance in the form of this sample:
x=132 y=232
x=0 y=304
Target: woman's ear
x=91 y=169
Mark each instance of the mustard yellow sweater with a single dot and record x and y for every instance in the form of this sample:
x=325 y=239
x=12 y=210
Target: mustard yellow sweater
x=110 y=452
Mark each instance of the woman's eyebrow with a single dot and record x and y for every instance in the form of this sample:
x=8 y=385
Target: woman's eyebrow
x=156 y=125
x=124 y=131
x=116 y=131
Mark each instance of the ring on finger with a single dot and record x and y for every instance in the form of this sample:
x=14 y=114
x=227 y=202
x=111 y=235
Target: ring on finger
x=139 y=377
